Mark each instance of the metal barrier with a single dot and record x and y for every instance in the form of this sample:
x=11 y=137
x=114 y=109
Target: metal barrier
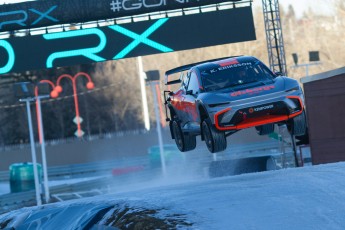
x=105 y=167
x=86 y=169
x=4 y=176
x=106 y=182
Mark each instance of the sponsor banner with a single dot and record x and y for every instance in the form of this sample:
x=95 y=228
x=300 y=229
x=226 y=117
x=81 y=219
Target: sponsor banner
x=252 y=91
x=35 y=14
x=126 y=40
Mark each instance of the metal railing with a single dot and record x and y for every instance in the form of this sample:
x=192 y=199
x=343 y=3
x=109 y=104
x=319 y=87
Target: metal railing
x=86 y=169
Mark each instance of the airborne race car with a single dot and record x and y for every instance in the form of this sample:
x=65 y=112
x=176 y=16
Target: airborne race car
x=220 y=97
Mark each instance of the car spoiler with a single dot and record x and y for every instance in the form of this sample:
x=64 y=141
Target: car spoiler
x=187 y=67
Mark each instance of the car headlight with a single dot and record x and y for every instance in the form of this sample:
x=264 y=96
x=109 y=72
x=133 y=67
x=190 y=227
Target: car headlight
x=292 y=89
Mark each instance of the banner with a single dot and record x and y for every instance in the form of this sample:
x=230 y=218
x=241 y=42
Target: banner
x=35 y=14
x=126 y=40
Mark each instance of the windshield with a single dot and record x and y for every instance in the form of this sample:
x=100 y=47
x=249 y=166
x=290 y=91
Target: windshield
x=221 y=77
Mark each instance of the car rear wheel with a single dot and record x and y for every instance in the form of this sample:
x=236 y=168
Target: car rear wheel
x=265 y=129
x=214 y=139
x=184 y=142
x=297 y=126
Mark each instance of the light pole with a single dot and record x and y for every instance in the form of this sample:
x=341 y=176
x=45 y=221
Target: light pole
x=314 y=59
x=143 y=93
x=41 y=136
x=39 y=115
x=25 y=89
x=58 y=89
x=153 y=78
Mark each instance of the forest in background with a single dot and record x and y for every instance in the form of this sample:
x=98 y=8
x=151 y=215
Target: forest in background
x=115 y=103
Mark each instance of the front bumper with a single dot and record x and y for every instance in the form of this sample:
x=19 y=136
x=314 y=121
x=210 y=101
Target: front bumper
x=256 y=114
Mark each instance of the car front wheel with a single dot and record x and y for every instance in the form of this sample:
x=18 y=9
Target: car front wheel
x=298 y=125
x=214 y=139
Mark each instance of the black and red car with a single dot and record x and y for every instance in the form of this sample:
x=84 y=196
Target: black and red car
x=220 y=97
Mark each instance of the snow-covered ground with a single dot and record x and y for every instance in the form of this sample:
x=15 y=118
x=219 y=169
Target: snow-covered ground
x=294 y=198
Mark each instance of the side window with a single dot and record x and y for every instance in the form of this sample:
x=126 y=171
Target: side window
x=266 y=71
x=193 y=83
x=185 y=80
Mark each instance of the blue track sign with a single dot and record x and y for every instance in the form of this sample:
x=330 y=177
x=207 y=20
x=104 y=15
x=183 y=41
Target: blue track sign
x=126 y=40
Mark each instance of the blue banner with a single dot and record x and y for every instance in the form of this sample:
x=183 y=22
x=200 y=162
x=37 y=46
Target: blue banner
x=126 y=40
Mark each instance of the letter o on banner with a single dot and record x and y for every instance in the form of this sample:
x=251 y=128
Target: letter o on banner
x=11 y=57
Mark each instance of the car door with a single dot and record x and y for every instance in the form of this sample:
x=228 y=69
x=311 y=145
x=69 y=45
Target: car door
x=192 y=91
x=178 y=100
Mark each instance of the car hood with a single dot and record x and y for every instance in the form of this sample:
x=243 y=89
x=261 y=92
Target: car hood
x=248 y=91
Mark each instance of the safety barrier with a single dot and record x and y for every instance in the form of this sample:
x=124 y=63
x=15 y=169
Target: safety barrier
x=86 y=169
x=108 y=182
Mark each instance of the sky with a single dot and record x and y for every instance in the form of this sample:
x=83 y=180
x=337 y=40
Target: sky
x=300 y=6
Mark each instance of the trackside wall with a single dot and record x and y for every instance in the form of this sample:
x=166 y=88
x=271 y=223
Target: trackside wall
x=325 y=103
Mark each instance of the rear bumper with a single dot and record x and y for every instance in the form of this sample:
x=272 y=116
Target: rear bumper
x=251 y=119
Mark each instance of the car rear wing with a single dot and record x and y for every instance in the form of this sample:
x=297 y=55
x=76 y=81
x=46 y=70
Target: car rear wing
x=187 y=67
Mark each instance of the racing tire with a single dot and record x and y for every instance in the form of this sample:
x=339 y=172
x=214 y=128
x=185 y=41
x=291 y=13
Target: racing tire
x=214 y=139
x=304 y=139
x=184 y=142
x=297 y=126
x=265 y=129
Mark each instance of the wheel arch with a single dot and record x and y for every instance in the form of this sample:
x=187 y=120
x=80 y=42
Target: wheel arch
x=202 y=115
x=173 y=115
x=172 y=112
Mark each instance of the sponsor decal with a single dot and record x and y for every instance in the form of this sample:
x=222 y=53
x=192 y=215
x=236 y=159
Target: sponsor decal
x=257 y=109
x=235 y=66
x=252 y=91
x=128 y=5
x=229 y=66
x=227 y=62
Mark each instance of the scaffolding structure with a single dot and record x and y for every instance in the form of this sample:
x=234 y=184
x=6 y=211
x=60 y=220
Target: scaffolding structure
x=274 y=36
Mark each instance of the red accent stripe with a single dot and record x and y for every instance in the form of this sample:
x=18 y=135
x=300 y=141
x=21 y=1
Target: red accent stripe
x=251 y=122
x=263 y=120
x=216 y=119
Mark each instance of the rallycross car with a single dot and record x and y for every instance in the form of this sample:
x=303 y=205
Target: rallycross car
x=220 y=97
